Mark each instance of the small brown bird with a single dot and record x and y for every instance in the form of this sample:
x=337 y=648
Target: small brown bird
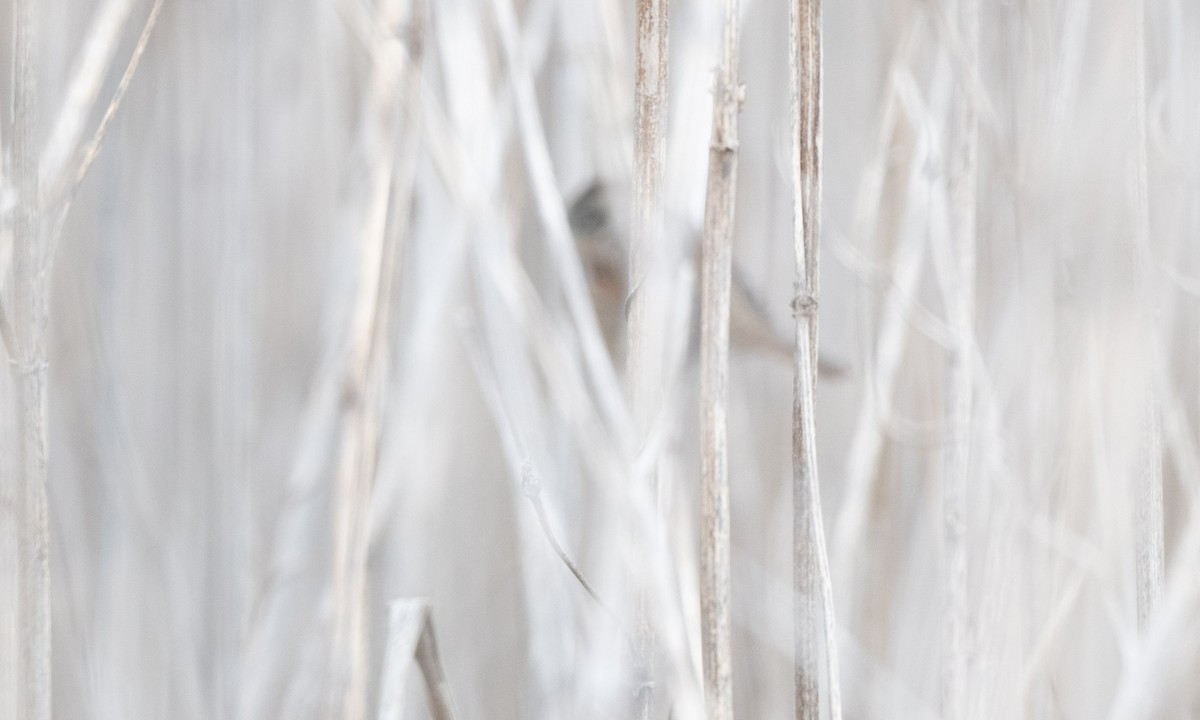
x=606 y=261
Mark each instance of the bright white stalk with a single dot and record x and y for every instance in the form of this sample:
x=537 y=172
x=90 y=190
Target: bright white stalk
x=91 y=68
x=28 y=358
x=410 y=637
x=1148 y=485
x=960 y=310
x=387 y=143
x=90 y=151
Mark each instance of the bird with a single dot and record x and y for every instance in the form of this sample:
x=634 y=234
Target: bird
x=605 y=260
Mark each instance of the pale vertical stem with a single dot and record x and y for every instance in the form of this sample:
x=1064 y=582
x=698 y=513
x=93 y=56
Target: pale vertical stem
x=812 y=588
x=89 y=152
x=644 y=366
x=1161 y=667
x=89 y=72
x=29 y=364
x=1148 y=522
x=405 y=621
x=441 y=703
x=384 y=135
x=230 y=522
x=410 y=636
x=646 y=240
x=356 y=464
x=960 y=308
x=715 y=279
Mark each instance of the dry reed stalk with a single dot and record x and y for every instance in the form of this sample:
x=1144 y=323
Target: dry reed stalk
x=388 y=142
x=24 y=336
x=604 y=431
x=646 y=239
x=553 y=217
x=410 y=636
x=1148 y=486
x=1161 y=666
x=92 y=150
x=601 y=379
x=28 y=358
x=960 y=308
x=645 y=330
x=296 y=533
x=467 y=184
x=568 y=390
x=813 y=591
x=517 y=452
x=867 y=441
x=715 y=280
x=899 y=312
x=91 y=67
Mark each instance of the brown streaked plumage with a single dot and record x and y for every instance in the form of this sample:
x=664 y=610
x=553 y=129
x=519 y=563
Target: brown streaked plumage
x=605 y=258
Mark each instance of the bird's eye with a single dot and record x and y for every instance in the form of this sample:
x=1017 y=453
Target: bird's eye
x=589 y=213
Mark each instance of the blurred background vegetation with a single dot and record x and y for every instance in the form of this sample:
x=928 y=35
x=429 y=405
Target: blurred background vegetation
x=310 y=348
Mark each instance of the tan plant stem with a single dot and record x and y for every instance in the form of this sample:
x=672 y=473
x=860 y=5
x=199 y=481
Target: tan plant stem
x=644 y=360
x=812 y=591
x=716 y=262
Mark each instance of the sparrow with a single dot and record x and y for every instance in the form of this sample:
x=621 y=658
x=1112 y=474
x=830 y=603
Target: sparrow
x=605 y=259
